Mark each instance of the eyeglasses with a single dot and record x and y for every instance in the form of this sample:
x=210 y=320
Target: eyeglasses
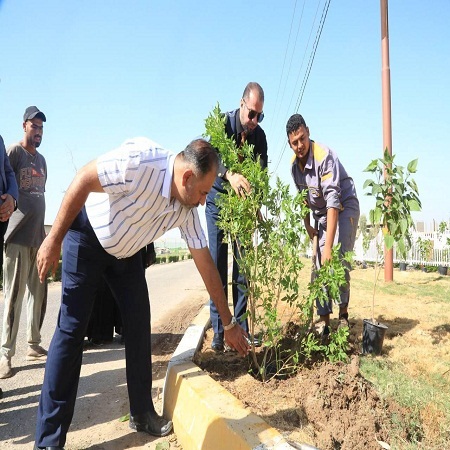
x=252 y=113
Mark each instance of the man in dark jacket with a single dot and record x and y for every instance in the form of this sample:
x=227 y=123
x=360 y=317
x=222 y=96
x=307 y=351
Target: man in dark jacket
x=243 y=126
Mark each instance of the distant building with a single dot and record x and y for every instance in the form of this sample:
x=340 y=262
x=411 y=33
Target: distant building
x=420 y=227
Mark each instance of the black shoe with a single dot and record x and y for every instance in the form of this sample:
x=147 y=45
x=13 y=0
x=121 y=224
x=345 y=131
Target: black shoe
x=47 y=448
x=151 y=423
x=217 y=342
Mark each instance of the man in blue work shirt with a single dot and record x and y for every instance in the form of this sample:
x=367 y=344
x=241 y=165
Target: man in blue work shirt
x=331 y=196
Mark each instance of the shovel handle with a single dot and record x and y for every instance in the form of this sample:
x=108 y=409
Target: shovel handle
x=313 y=276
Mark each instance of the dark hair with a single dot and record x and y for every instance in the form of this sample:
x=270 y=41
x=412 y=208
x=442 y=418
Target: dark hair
x=202 y=156
x=253 y=86
x=294 y=123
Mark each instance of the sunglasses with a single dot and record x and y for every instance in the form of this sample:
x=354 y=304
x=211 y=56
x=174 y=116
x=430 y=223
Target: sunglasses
x=252 y=113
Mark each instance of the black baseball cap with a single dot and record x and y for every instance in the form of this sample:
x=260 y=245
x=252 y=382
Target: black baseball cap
x=31 y=112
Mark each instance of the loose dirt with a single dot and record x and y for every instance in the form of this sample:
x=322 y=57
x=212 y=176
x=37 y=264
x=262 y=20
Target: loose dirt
x=331 y=406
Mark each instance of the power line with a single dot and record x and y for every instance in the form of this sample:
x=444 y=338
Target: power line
x=313 y=54
x=282 y=69
x=290 y=62
x=296 y=82
x=308 y=70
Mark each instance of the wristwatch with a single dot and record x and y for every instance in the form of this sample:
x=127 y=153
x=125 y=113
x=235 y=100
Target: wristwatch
x=231 y=324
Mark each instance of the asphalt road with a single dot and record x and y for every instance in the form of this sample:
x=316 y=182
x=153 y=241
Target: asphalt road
x=102 y=396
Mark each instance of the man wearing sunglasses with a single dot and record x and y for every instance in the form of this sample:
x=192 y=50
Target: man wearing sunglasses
x=243 y=125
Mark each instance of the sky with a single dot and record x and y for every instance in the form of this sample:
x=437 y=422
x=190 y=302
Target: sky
x=103 y=72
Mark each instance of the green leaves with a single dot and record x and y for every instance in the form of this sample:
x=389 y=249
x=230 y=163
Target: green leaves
x=329 y=279
x=425 y=248
x=396 y=196
x=338 y=347
x=414 y=205
x=269 y=226
x=412 y=166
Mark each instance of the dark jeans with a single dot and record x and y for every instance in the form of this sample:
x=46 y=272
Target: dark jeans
x=219 y=253
x=85 y=266
x=105 y=316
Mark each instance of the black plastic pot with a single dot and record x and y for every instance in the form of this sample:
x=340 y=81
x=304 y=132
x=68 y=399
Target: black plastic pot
x=373 y=336
x=442 y=270
x=402 y=266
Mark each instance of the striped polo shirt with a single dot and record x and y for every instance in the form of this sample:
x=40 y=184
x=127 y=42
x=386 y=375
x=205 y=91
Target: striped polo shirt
x=136 y=207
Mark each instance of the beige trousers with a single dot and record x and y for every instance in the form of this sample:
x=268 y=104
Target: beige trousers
x=20 y=277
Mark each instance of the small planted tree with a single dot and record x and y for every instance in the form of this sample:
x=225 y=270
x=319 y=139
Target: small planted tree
x=442 y=229
x=396 y=196
x=425 y=247
x=268 y=224
x=269 y=255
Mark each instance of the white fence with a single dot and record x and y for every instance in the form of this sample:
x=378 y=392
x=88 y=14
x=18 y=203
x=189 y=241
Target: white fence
x=439 y=254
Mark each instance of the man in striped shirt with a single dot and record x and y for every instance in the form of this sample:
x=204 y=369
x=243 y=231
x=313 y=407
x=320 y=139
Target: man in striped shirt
x=132 y=195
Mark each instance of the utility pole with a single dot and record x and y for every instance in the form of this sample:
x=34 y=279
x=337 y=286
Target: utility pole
x=387 y=125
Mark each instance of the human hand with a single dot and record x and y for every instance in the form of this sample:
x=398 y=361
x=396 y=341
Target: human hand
x=48 y=257
x=7 y=207
x=239 y=184
x=326 y=254
x=311 y=231
x=237 y=339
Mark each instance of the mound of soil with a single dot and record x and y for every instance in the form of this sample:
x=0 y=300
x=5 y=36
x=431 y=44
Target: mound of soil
x=330 y=406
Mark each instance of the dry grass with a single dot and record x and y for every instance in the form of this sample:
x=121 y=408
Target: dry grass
x=416 y=308
x=414 y=368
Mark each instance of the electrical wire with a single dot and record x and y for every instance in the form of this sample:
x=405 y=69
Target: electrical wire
x=308 y=71
x=313 y=54
x=288 y=109
x=284 y=63
x=275 y=112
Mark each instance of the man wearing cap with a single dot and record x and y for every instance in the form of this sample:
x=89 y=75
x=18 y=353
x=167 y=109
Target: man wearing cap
x=23 y=238
x=243 y=125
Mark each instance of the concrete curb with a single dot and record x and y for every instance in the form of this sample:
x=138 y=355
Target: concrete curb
x=205 y=415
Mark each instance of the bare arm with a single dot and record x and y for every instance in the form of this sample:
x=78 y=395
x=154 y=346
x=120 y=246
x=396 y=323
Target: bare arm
x=235 y=337
x=332 y=221
x=309 y=229
x=85 y=182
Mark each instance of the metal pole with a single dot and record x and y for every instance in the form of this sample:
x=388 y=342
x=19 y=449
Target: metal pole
x=387 y=130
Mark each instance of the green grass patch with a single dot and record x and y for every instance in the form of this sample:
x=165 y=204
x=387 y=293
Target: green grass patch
x=417 y=395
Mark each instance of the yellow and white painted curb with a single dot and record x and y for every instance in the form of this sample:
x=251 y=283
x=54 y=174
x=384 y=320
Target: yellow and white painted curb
x=205 y=415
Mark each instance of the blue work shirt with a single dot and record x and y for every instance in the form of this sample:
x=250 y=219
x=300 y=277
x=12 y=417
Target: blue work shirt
x=326 y=180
